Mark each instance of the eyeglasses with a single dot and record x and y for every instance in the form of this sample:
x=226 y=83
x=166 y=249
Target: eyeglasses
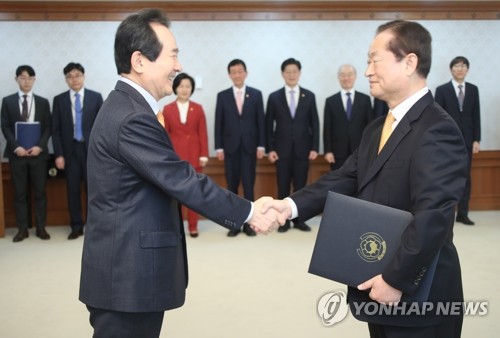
x=74 y=77
x=26 y=78
x=460 y=66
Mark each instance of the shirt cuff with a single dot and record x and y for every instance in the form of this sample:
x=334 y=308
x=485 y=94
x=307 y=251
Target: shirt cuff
x=293 y=206
x=250 y=214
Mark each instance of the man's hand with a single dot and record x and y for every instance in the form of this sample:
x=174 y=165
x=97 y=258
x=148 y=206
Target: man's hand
x=381 y=291
x=280 y=206
x=329 y=158
x=60 y=163
x=312 y=155
x=475 y=147
x=220 y=155
x=272 y=156
x=265 y=222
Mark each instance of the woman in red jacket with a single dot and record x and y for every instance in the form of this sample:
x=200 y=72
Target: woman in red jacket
x=186 y=125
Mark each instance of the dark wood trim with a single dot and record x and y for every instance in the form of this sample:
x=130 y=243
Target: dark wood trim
x=252 y=10
x=485 y=186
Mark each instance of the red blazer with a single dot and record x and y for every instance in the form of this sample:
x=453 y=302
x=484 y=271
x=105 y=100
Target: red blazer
x=189 y=139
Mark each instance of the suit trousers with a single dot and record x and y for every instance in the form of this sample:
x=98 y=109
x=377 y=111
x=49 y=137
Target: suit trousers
x=448 y=329
x=291 y=170
x=31 y=170
x=76 y=173
x=240 y=166
x=115 y=324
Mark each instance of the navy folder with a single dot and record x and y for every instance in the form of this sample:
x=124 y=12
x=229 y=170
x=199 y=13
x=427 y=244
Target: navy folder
x=357 y=239
x=28 y=134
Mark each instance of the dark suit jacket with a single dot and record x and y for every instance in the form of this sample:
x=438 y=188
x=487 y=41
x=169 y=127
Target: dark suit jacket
x=421 y=169
x=340 y=135
x=468 y=119
x=134 y=257
x=11 y=114
x=232 y=129
x=190 y=139
x=284 y=133
x=62 y=120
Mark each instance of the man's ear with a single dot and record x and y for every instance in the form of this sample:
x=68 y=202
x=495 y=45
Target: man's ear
x=136 y=62
x=411 y=63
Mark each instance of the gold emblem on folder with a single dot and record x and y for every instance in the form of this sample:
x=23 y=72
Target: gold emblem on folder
x=372 y=247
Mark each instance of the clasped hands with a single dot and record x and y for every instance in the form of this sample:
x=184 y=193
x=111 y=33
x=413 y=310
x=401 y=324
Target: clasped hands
x=269 y=214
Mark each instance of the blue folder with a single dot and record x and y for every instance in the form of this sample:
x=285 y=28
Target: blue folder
x=357 y=239
x=28 y=134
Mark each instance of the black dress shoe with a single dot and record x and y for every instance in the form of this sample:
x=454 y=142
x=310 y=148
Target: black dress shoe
x=75 y=234
x=21 y=234
x=248 y=230
x=284 y=227
x=233 y=232
x=42 y=234
x=193 y=234
x=302 y=227
x=465 y=220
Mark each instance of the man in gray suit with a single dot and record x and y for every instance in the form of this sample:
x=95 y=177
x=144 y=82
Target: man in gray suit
x=134 y=254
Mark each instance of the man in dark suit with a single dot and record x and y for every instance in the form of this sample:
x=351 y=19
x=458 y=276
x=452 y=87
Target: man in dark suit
x=134 y=254
x=239 y=133
x=421 y=168
x=28 y=167
x=345 y=117
x=292 y=128
x=73 y=115
x=461 y=100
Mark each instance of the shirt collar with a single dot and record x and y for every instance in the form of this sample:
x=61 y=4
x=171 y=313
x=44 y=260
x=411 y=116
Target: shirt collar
x=401 y=109
x=148 y=97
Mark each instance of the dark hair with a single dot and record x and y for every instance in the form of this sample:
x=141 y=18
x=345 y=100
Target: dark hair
x=179 y=78
x=410 y=37
x=290 y=61
x=72 y=66
x=25 y=68
x=136 y=34
x=459 y=59
x=236 y=62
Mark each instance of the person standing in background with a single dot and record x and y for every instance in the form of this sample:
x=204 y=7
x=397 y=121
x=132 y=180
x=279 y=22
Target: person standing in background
x=240 y=133
x=346 y=115
x=27 y=165
x=461 y=100
x=292 y=128
x=185 y=122
x=74 y=113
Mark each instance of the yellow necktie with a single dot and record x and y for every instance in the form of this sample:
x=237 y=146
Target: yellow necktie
x=386 y=130
x=159 y=116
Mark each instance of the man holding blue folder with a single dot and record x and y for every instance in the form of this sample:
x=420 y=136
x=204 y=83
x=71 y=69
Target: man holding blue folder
x=28 y=164
x=413 y=160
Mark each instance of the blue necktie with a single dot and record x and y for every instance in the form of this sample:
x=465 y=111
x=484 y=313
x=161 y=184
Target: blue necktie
x=292 y=103
x=78 y=118
x=348 y=106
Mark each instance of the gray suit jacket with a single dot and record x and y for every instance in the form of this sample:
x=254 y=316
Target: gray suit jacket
x=134 y=254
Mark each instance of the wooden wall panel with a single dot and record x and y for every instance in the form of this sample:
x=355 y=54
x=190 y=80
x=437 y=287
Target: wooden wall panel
x=252 y=10
x=485 y=186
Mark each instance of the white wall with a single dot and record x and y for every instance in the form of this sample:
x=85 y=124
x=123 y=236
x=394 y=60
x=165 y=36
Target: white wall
x=207 y=47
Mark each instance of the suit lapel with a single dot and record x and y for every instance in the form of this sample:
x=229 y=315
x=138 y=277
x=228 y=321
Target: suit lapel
x=397 y=136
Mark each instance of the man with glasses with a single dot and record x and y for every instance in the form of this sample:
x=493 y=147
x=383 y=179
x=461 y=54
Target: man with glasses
x=461 y=100
x=28 y=162
x=74 y=113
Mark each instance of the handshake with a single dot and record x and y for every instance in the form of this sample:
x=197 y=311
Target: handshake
x=268 y=214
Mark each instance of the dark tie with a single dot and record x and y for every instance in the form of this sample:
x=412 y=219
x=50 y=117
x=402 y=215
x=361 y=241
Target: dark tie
x=78 y=118
x=348 y=106
x=292 y=103
x=460 y=97
x=24 y=113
